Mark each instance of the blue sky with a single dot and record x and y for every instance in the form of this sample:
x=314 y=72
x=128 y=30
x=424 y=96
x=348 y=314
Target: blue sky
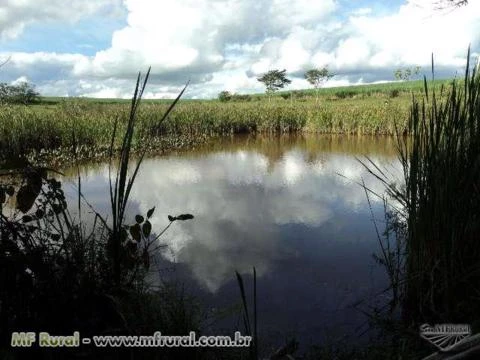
x=96 y=47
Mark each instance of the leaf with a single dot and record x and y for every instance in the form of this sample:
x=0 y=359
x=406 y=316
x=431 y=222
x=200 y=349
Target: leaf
x=150 y=212
x=26 y=197
x=139 y=219
x=147 y=229
x=39 y=213
x=184 y=217
x=57 y=208
x=171 y=218
x=55 y=184
x=27 y=218
x=2 y=195
x=55 y=237
x=135 y=232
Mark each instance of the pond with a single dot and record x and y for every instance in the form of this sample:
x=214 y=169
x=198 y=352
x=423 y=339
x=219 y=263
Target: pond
x=290 y=206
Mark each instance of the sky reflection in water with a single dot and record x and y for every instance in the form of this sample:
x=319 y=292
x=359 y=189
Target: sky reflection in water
x=278 y=204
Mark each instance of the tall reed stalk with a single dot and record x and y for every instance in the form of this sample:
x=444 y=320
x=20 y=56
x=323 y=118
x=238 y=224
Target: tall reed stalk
x=442 y=198
x=120 y=190
x=441 y=204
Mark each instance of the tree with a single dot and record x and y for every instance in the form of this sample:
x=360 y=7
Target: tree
x=224 y=96
x=407 y=73
x=23 y=93
x=274 y=80
x=317 y=77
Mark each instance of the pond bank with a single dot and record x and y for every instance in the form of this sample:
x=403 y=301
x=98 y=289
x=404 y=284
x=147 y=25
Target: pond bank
x=41 y=130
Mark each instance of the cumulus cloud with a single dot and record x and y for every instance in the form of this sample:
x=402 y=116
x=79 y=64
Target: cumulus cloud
x=16 y=14
x=226 y=44
x=194 y=36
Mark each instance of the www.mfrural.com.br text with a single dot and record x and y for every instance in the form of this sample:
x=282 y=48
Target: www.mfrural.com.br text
x=44 y=339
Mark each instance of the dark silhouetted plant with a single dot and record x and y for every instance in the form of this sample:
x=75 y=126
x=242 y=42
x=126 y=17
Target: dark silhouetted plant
x=440 y=205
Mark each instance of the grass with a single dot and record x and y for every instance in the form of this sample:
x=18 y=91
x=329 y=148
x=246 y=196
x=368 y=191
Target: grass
x=40 y=129
x=44 y=131
x=434 y=264
x=442 y=200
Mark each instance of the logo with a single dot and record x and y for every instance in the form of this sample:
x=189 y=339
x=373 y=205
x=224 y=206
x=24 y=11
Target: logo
x=445 y=336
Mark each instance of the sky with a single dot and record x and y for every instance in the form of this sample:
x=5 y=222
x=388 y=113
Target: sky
x=95 y=48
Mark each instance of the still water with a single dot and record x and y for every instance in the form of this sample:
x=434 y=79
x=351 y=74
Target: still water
x=289 y=206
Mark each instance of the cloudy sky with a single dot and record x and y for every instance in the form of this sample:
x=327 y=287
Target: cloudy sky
x=96 y=47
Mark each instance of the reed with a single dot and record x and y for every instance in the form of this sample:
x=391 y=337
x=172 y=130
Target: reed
x=46 y=129
x=440 y=205
x=442 y=199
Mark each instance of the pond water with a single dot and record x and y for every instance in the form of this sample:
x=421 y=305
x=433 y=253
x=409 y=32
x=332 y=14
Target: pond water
x=290 y=206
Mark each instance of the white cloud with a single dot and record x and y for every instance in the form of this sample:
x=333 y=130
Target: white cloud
x=195 y=36
x=20 y=80
x=362 y=11
x=226 y=44
x=16 y=14
x=410 y=36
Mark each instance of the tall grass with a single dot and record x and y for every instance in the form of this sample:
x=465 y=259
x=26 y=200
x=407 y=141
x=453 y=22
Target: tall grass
x=37 y=129
x=441 y=205
x=442 y=198
x=120 y=191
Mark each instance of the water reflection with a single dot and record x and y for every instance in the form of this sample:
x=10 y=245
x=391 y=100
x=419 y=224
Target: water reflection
x=274 y=203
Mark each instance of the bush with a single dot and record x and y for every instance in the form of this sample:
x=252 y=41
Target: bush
x=24 y=93
x=224 y=96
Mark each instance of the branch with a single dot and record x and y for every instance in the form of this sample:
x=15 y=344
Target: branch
x=6 y=61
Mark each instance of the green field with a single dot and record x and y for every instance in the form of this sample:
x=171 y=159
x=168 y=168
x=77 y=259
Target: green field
x=55 y=124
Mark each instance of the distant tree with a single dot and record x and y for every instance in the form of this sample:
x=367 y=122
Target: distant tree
x=224 y=96
x=407 y=73
x=442 y=4
x=317 y=77
x=23 y=93
x=274 y=80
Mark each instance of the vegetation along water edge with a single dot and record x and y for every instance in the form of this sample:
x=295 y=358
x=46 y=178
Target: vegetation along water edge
x=44 y=130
